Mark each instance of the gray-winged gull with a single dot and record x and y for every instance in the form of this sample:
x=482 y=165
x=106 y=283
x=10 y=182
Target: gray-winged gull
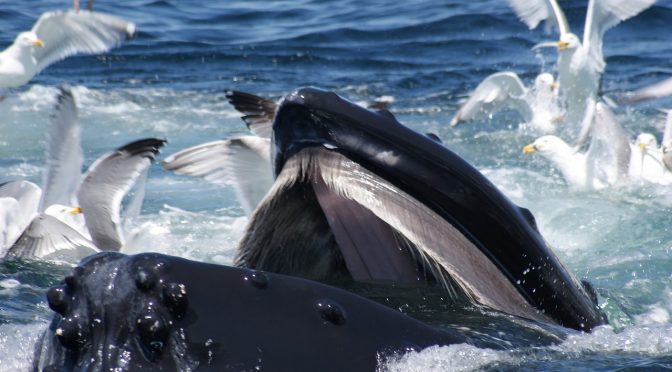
x=605 y=163
x=651 y=162
x=99 y=192
x=244 y=162
x=538 y=106
x=55 y=36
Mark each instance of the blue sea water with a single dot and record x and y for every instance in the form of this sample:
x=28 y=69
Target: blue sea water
x=170 y=82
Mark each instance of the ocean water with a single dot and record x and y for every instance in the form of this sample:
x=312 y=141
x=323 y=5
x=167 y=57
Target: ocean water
x=170 y=82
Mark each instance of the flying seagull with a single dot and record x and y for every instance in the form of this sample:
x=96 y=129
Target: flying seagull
x=538 y=106
x=58 y=35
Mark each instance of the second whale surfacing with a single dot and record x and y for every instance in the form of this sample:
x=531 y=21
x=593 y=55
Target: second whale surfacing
x=358 y=198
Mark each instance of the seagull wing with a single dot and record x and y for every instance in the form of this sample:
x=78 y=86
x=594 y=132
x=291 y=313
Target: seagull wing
x=106 y=182
x=64 y=153
x=133 y=208
x=259 y=112
x=68 y=33
x=27 y=195
x=10 y=228
x=244 y=163
x=666 y=145
x=657 y=90
x=603 y=15
x=667 y=134
x=48 y=236
x=494 y=93
x=25 y=192
x=608 y=156
x=532 y=12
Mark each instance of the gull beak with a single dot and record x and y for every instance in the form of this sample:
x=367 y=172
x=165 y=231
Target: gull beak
x=529 y=149
x=562 y=45
x=642 y=147
x=75 y=210
x=555 y=86
x=38 y=42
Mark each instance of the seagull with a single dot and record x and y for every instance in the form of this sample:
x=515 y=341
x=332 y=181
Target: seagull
x=605 y=163
x=538 y=106
x=580 y=62
x=243 y=162
x=55 y=36
x=650 y=162
x=99 y=192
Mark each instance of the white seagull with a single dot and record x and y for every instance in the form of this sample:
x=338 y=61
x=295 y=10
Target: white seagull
x=580 y=62
x=538 y=106
x=55 y=36
x=650 y=162
x=244 y=162
x=605 y=163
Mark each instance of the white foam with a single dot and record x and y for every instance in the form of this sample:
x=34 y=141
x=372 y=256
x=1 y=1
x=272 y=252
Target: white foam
x=9 y=283
x=203 y=236
x=460 y=357
x=652 y=340
x=17 y=343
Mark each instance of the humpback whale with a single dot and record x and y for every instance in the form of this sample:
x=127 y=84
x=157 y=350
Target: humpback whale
x=357 y=197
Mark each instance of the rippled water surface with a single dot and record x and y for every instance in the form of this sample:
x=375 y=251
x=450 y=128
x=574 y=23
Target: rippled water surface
x=170 y=82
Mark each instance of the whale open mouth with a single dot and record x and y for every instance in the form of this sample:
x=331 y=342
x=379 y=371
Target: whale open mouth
x=357 y=195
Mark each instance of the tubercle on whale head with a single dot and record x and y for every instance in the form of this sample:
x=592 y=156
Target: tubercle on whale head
x=130 y=296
